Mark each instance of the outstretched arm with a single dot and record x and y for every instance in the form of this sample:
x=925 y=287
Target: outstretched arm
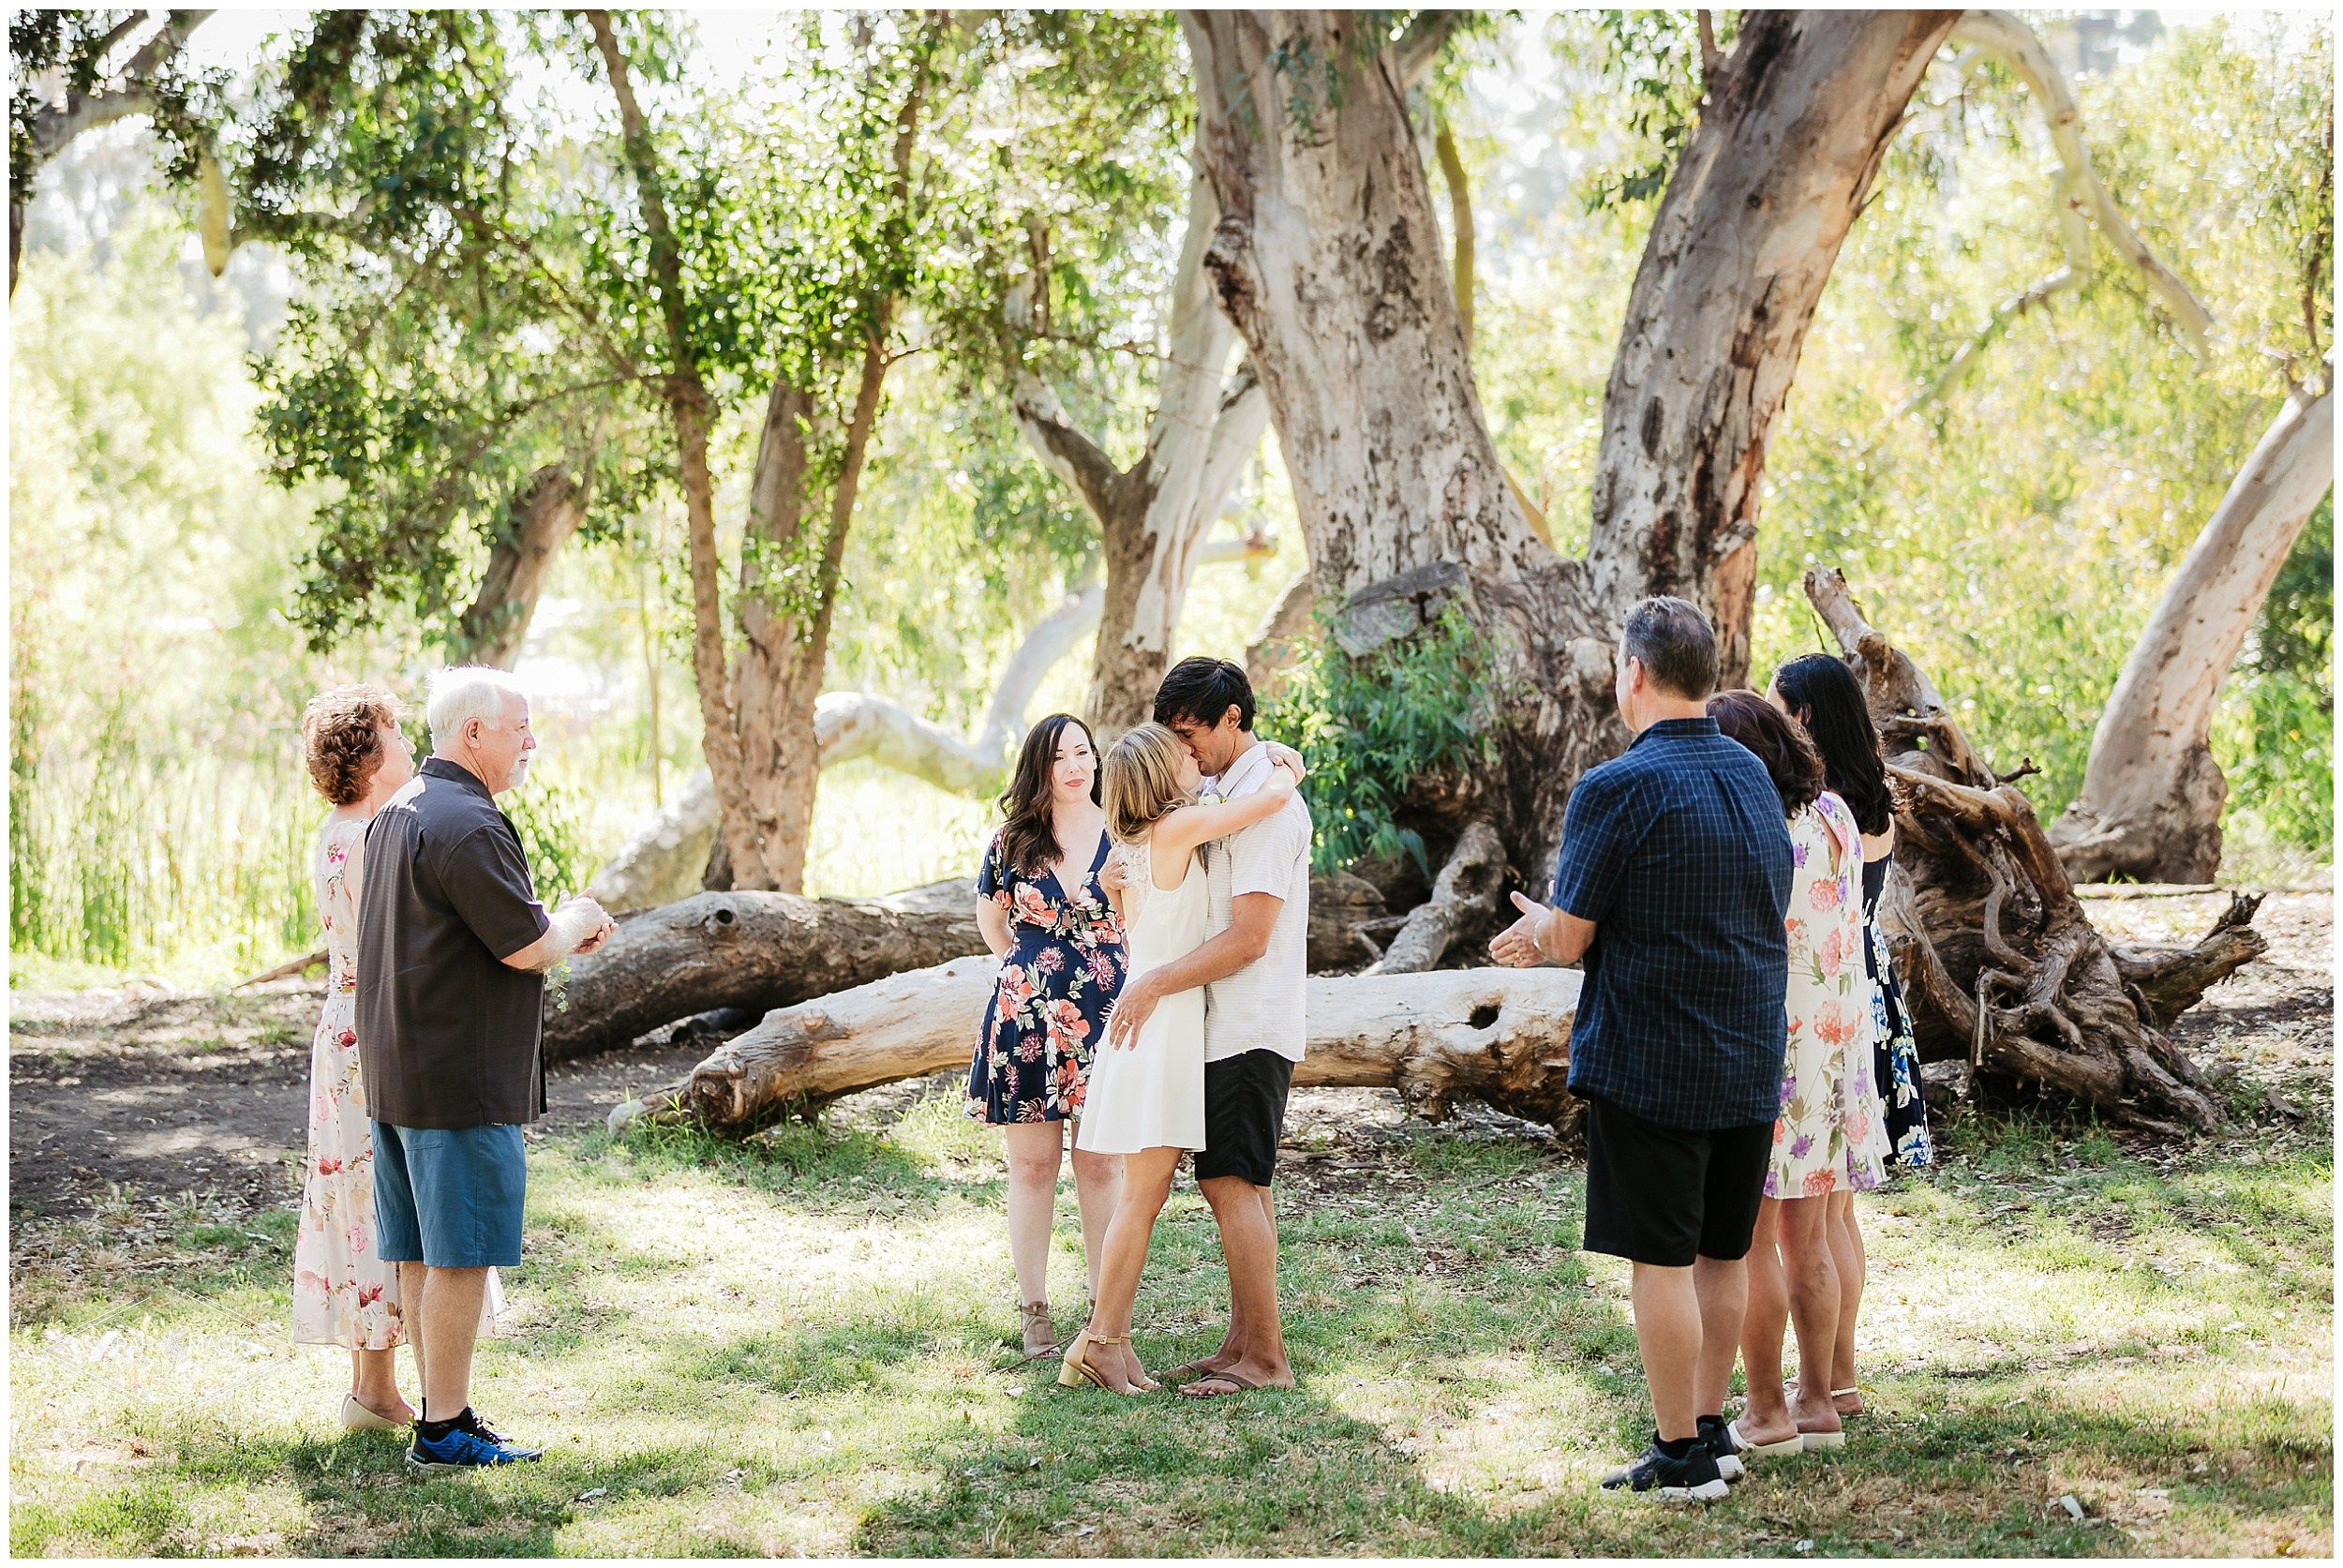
x=1541 y=934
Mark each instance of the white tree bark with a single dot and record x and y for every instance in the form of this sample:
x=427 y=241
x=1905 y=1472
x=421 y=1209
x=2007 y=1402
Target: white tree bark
x=2009 y=41
x=2081 y=199
x=1153 y=518
x=1769 y=184
x=2152 y=793
x=1499 y=1036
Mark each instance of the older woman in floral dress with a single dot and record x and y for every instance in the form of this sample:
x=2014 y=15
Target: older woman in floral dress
x=343 y=1292
x=1826 y=1137
x=1047 y=920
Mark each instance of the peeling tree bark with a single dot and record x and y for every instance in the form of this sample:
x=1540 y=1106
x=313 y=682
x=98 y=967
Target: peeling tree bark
x=1498 y=1036
x=2152 y=793
x=542 y=517
x=1795 y=123
x=2001 y=965
x=1328 y=260
x=1153 y=517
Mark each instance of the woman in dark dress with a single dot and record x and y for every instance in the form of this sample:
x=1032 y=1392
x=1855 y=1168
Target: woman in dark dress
x=1047 y=920
x=1824 y=696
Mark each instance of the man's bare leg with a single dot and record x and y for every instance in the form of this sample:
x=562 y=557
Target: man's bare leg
x=1667 y=1337
x=411 y=1279
x=1248 y=1241
x=449 y=1326
x=1722 y=1287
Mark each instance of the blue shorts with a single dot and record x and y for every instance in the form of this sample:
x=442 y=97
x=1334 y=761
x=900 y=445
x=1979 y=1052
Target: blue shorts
x=449 y=1198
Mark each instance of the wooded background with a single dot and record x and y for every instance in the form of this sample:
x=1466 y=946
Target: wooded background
x=802 y=404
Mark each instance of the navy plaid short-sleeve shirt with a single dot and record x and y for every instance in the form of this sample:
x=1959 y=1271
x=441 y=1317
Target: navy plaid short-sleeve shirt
x=1677 y=852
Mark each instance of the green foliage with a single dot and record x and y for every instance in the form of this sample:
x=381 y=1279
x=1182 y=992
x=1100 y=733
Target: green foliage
x=85 y=48
x=1378 y=728
x=442 y=353
x=548 y=813
x=2275 y=737
x=158 y=813
x=1651 y=62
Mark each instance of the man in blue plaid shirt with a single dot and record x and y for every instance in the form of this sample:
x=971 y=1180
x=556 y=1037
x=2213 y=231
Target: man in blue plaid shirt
x=1672 y=886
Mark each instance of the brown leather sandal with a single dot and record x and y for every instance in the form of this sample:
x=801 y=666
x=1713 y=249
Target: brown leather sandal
x=1028 y=1314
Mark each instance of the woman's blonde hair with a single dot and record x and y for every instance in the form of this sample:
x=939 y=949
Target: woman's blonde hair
x=1142 y=781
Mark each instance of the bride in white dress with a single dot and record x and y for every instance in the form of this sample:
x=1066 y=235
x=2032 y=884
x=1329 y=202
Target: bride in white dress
x=1146 y=1102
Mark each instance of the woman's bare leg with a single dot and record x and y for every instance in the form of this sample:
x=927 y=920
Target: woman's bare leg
x=1848 y=1256
x=1035 y=1149
x=373 y=1378
x=1766 y=1417
x=1097 y=1191
x=1813 y=1276
x=1147 y=1186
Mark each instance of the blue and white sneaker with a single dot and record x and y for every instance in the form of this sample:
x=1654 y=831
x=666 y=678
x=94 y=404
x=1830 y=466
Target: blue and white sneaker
x=468 y=1444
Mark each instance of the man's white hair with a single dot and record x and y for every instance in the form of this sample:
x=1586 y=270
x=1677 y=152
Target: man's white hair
x=464 y=692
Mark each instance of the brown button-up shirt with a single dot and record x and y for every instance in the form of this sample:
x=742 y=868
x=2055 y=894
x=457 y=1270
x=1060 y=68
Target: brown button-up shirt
x=448 y=1033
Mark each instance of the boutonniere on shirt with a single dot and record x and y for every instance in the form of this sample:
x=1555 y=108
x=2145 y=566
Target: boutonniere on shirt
x=1210 y=797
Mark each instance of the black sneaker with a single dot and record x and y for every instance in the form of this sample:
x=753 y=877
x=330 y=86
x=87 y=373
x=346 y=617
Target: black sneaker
x=468 y=1444
x=1692 y=1478
x=1716 y=1437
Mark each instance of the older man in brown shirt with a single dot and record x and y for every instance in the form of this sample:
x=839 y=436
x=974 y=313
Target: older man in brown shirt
x=452 y=946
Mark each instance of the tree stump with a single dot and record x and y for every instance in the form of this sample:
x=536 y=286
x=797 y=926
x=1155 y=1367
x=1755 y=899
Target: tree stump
x=2002 y=967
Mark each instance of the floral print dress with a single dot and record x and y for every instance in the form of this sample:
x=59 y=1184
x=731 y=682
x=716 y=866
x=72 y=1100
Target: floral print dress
x=343 y=1295
x=1895 y=1056
x=1826 y=1137
x=1058 y=980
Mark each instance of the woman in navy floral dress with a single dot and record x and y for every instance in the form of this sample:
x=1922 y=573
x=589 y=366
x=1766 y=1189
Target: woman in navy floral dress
x=1047 y=920
x=1824 y=696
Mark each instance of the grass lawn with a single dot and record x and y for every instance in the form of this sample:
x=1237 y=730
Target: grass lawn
x=803 y=1346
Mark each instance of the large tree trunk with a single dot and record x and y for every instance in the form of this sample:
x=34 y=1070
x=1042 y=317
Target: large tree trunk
x=1328 y=260
x=2152 y=793
x=1498 y=1036
x=757 y=951
x=1793 y=129
x=543 y=516
x=1153 y=517
x=2002 y=966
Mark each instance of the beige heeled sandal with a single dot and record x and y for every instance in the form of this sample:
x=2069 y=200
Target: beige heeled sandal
x=1075 y=1369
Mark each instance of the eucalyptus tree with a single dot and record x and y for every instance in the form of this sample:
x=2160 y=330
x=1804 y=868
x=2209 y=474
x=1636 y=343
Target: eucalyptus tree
x=890 y=193
x=73 y=71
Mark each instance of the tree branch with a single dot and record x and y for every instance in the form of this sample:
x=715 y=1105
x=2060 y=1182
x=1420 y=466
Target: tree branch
x=1711 y=57
x=1071 y=454
x=2003 y=38
x=1421 y=44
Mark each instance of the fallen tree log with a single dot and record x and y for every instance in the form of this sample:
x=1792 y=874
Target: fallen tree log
x=1498 y=1036
x=2001 y=964
x=750 y=950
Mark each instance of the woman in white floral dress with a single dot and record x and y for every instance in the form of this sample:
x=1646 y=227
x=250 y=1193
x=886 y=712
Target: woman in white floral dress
x=343 y=1294
x=1826 y=1138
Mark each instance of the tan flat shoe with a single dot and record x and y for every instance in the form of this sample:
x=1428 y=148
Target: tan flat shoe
x=357 y=1418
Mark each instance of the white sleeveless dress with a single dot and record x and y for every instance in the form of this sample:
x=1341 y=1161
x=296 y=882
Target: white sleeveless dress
x=1151 y=1095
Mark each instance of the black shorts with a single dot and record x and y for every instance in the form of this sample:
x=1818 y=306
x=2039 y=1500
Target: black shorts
x=1244 y=1116
x=1663 y=1196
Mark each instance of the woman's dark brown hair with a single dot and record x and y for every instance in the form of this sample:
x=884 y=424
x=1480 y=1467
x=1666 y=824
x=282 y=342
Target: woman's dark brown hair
x=1822 y=693
x=1778 y=742
x=341 y=740
x=1028 y=842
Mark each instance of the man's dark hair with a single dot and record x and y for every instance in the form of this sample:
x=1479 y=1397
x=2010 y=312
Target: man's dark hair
x=1778 y=743
x=1198 y=690
x=1673 y=642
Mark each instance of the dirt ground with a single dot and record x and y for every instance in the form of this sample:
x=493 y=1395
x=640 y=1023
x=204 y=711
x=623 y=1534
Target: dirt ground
x=148 y=1096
